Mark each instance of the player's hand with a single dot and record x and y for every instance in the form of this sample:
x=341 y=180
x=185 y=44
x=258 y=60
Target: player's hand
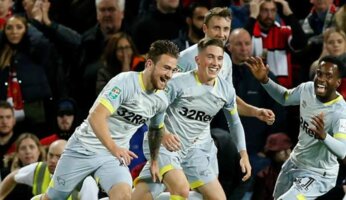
x=245 y=165
x=258 y=69
x=125 y=156
x=318 y=130
x=171 y=142
x=154 y=171
x=266 y=115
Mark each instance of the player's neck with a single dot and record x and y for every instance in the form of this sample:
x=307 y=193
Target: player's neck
x=204 y=80
x=148 y=86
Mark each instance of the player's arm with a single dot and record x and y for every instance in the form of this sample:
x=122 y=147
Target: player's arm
x=98 y=119
x=336 y=144
x=238 y=137
x=248 y=110
x=238 y=134
x=279 y=93
x=8 y=184
x=155 y=133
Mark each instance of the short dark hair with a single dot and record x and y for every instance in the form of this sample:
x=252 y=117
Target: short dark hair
x=194 y=5
x=6 y=105
x=336 y=61
x=219 y=12
x=160 y=47
x=205 y=42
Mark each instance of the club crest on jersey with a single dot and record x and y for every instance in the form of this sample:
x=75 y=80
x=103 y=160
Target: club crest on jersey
x=114 y=93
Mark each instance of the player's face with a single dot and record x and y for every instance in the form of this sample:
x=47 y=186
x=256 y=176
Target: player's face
x=218 y=28
x=163 y=71
x=209 y=63
x=267 y=14
x=7 y=121
x=335 y=44
x=326 y=81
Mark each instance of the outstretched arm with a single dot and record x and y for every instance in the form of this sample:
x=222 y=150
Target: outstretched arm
x=279 y=93
x=7 y=185
x=248 y=110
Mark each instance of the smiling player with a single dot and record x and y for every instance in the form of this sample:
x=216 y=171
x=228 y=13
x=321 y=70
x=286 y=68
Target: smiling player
x=312 y=168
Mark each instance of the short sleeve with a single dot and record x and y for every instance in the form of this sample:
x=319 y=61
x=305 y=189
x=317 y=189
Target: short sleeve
x=25 y=175
x=116 y=92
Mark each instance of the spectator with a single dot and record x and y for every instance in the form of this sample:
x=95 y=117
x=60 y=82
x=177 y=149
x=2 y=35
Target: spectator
x=340 y=18
x=163 y=22
x=83 y=52
x=7 y=134
x=334 y=44
x=274 y=41
x=37 y=175
x=277 y=149
x=23 y=79
x=66 y=114
x=5 y=12
x=319 y=19
x=120 y=55
x=28 y=150
x=194 y=19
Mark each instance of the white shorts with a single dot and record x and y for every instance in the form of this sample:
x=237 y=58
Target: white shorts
x=200 y=165
x=77 y=162
x=296 y=183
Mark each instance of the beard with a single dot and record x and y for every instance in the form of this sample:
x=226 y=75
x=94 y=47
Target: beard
x=198 y=31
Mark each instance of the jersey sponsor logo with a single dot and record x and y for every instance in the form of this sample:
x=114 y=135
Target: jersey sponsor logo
x=342 y=126
x=114 y=93
x=131 y=116
x=195 y=115
x=305 y=126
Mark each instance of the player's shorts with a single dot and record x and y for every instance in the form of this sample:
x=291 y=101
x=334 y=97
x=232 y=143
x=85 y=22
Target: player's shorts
x=199 y=165
x=77 y=162
x=297 y=183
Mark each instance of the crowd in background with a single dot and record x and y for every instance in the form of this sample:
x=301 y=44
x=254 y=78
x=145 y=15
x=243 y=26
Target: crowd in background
x=56 y=57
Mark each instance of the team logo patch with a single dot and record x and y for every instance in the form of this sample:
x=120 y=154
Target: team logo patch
x=342 y=126
x=114 y=93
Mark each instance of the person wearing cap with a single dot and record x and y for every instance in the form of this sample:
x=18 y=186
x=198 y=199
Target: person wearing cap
x=312 y=168
x=65 y=121
x=277 y=149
